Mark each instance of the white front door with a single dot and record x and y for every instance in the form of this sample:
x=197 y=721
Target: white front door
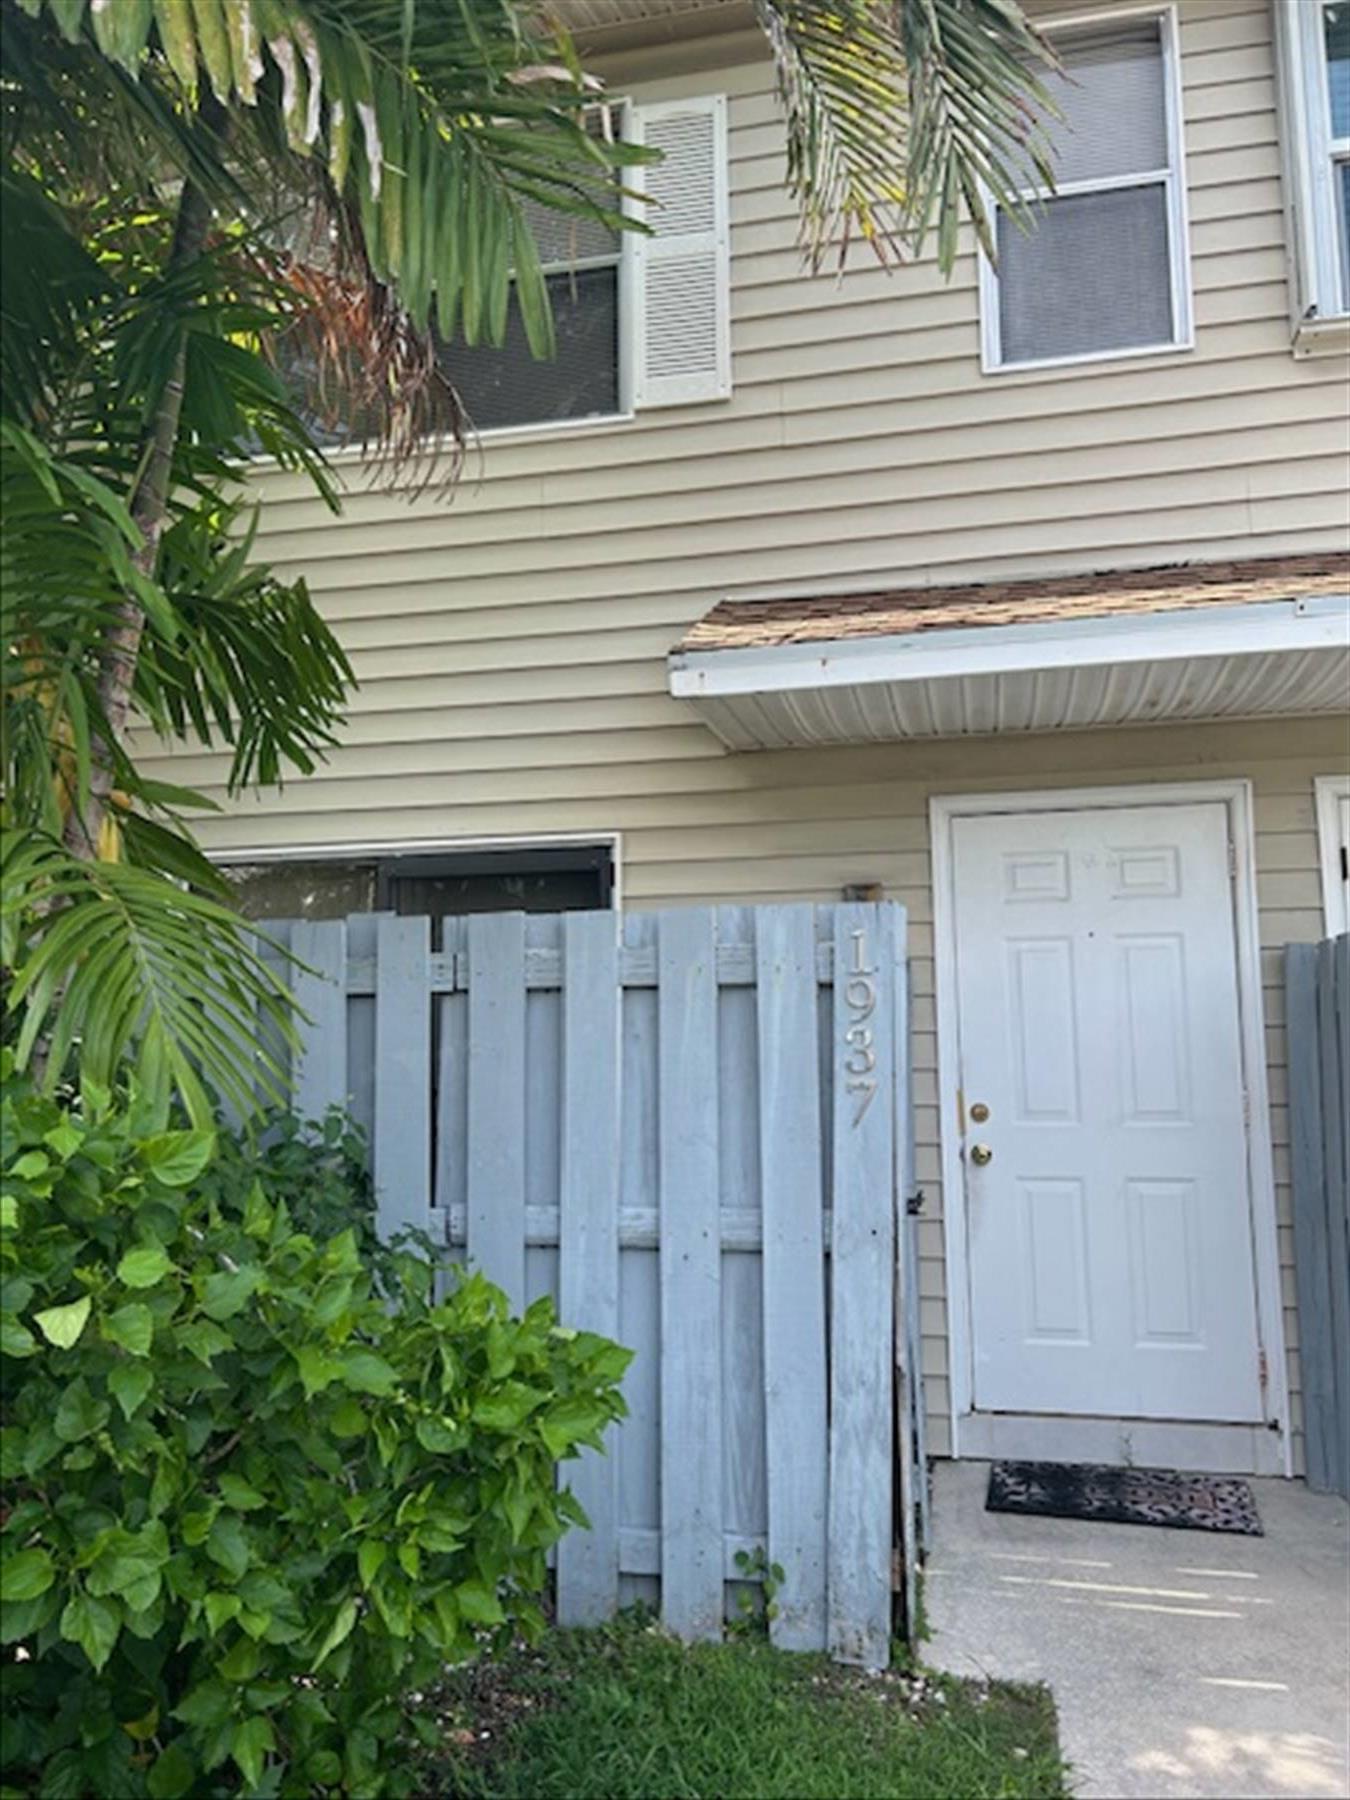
x=1109 y=1226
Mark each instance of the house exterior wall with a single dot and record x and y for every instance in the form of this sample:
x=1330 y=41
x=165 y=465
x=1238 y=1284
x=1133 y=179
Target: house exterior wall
x=510 y=646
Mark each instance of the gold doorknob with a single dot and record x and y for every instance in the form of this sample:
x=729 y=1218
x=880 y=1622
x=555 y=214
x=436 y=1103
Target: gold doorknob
x=980 y=1154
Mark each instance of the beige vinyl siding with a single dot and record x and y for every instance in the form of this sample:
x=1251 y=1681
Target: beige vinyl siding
x=510 y=645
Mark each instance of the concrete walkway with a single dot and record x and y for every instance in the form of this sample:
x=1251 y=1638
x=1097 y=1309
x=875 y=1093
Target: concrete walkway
x=1182 y=1662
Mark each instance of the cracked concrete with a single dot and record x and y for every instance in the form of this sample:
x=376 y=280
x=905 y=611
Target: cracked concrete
x=1182 y=1662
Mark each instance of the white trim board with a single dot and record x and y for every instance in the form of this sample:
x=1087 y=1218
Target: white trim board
x=1329 y=794
x=1237 y=797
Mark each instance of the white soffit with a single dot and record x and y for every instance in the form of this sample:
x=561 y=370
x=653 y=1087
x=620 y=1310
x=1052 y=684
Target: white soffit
x=1277 y=658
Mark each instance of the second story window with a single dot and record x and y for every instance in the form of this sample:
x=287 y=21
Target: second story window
x=1313 y=38
x=641 y=319
x=1104 y=271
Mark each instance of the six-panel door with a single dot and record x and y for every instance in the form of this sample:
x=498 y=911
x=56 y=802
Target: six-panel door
x=1111 y=1264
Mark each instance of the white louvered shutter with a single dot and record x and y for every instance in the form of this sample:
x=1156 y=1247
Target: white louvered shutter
x=680 y=290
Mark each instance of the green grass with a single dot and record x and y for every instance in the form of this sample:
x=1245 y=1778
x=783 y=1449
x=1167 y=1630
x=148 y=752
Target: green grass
x=628 y=1714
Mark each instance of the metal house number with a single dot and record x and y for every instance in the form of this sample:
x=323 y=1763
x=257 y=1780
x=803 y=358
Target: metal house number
x=860 y=1058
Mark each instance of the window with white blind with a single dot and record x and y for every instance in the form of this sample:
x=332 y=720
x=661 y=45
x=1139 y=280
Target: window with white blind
x=1103 y=270
x=641 y=319
x=1313 y=39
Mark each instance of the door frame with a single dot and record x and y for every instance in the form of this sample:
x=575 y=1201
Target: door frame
x=1236 y=796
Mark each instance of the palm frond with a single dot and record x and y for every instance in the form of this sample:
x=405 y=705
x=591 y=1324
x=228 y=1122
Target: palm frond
x=109 y=955
x=903 y=113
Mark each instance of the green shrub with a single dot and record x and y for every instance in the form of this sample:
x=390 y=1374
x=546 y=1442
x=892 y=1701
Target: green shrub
x=251 y=1497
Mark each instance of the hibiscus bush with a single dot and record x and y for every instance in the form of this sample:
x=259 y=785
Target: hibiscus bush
x=254 y=1492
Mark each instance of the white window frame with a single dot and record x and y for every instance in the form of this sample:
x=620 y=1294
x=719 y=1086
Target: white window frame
x=1319 y=296
x=1173 y=180
x=1329 y=794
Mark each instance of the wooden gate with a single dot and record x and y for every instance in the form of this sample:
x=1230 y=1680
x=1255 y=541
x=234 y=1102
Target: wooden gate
x=1317 y=1020
x=692 y=1129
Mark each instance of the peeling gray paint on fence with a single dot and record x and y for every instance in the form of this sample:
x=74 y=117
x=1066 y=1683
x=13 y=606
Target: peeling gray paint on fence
x=691 y=1129
x=1317 y=993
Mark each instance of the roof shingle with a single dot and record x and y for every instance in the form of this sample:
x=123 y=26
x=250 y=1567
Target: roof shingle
x=760 y=624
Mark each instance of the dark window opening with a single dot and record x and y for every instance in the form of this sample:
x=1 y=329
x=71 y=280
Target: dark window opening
x=445 y=884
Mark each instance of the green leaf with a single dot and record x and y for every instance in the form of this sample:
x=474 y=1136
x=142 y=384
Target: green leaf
x=249 y=1746
x=242 y=1662
x=207 y=1705
x=172 y=1775
x=64 y=1138
x=78 y=1413
x=202 y=1339
x=258 y=1212
x=570 y=1422
x=438 y=1436
x=368 y=1373
x=31 y=1165
x=178 y=1157
x=227 y=1544
x=25 y=1575
x=144 y=1267
x=237 y=1492
x=132 y=1326
x=230 y=1291
x=317 y=1369
x=93 y=1624
x=338 y=1631
x=220 y=1609
x=478 y=1603
x=15 y=1338
x=62 y=1325
x=370 y=1558
x=506 y=1409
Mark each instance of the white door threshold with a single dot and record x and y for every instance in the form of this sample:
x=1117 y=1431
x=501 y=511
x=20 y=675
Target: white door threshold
x=1144 y=1443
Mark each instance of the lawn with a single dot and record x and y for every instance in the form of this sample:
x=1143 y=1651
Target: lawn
x=626 y=1713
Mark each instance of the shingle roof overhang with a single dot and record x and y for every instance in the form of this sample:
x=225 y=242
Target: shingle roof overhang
x=1262 y=637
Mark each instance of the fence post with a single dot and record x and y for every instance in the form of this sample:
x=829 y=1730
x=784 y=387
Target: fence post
x=862 y=1277
x=793 y=1269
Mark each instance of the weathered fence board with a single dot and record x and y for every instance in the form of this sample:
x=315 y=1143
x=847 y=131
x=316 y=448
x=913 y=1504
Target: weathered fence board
x=692 y=1130
x=793 y=1273
x=862 y=1285
x=496 y=1144
x=588 y=1254
x=1317 y=1010
x=401 y=1146
x=691 y=1258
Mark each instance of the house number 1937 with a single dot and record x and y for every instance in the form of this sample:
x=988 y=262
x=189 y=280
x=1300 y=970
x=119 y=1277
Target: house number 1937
x=860 y=998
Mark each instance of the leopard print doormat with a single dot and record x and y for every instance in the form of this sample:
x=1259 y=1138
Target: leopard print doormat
x=1124 y=1496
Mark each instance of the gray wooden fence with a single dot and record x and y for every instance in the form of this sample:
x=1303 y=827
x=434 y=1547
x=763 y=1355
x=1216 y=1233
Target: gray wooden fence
x=692 y=1129
x=1317 y=996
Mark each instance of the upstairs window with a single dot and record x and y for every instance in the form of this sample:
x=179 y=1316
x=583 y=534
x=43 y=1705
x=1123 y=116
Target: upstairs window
x=1313 y=39
x=1104 y=269
x=641 y=319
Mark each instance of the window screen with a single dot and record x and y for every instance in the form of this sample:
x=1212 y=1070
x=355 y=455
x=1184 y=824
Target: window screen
x=1094 y=274
x=506 y=386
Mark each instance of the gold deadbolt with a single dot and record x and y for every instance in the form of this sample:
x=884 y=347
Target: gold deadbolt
x=979 y=1112
x=980 y=1154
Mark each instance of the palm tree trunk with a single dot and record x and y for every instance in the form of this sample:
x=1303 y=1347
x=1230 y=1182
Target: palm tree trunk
x=121 y=642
